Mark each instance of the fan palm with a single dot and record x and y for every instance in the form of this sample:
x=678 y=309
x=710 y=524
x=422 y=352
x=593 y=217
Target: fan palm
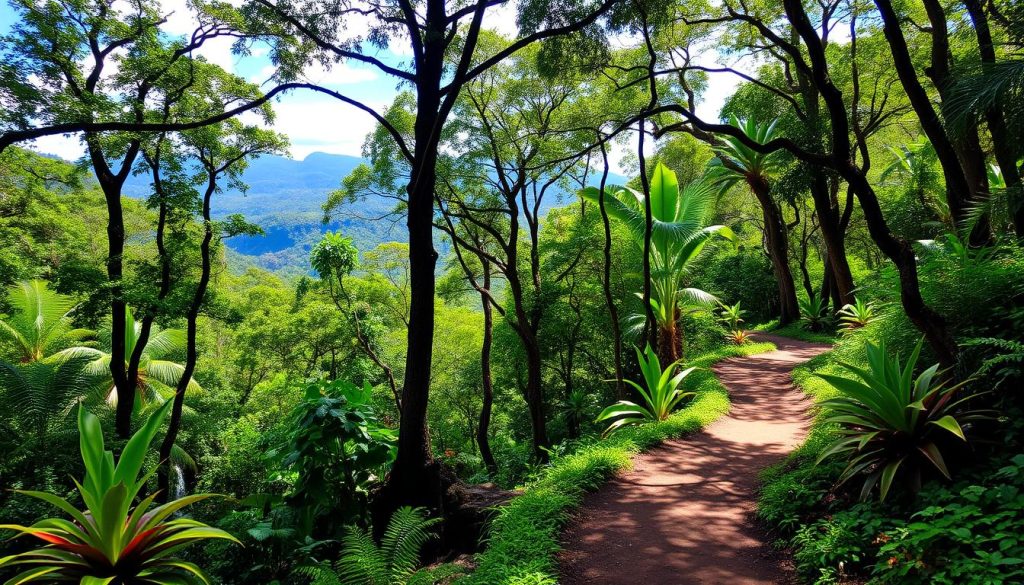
x=736 y=162
x=679 y=232
x=38 y=394
x=157 y=377
x=40 y=321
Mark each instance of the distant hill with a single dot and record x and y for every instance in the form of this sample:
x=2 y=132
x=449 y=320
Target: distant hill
x=285 y=198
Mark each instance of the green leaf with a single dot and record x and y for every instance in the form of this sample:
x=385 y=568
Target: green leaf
x=949 y=423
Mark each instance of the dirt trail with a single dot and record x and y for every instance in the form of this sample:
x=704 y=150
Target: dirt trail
x=684 y=514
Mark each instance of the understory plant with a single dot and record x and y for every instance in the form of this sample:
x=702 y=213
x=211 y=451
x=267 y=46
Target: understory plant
x=814 y=312
x=731 y=316
x=112 y=543
x=335 y=450
x=892 y=422
x=738 y=336
x=856 y=315
x=364 y=562
x=662 y=394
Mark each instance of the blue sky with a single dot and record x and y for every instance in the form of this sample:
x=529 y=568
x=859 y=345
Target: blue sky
x=318 y=123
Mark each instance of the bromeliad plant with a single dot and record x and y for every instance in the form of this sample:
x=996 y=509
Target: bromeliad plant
x=856 y=315
x=892 y=422
x=814 y=312
x=662 y=394
x=111 y=543
x=738 y=336
x=732 y=316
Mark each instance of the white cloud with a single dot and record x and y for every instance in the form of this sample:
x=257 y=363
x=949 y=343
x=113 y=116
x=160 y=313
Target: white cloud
x=68 y=147
x=338 y=74
x=323 y=125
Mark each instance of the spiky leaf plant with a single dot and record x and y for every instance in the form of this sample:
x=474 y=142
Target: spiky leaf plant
x=856 y=315
x=112 y=543
x=814 y=313
x=738 y=336
x=662 y=394
x=892 y=423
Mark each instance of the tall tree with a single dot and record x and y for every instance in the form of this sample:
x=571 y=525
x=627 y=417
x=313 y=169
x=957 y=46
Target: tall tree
x=223 y=152
x=961 y=157
x=129 y=63
x=443 y=40
x=806 y=51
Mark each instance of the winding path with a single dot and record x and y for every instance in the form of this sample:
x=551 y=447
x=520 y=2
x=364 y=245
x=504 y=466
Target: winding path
x=684 y=514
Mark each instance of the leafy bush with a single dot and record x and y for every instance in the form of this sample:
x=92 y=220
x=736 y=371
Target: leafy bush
x=969 y=533
x=112 y=542
x=337 y=447
x=966 y=532
x=744 y=276
x=888 y=420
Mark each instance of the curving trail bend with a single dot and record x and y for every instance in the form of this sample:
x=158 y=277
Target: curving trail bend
x=684 y=514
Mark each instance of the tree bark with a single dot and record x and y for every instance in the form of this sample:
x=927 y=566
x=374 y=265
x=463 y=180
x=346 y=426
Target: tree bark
x=482 y=430
x=832 y=233
x=609 y=298
x=1002 y=141
x=125 y=381
x=191 y=355
x=776 y=236
x=959 y=177
x=926 y=319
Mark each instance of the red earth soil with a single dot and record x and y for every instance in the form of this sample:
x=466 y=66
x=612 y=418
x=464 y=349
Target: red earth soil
x=684 y=514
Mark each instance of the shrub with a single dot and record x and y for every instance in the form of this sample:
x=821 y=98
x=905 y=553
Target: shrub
x=336 y=448
x=888 y=420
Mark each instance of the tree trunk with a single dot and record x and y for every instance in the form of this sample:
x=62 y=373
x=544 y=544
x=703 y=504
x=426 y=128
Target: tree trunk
x=111 y=185
x=609 y=298
x=535 y=399
x=482 y=437
x=958 y=188
x=835 y=240
x=926 y=319
x=832 y=233
x=1002 y=142
x=191 y=355
x=669 y=342
x=776 y=237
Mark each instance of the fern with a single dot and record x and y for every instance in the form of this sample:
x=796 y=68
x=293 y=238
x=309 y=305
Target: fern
x=365 y=563
x=1007 y=361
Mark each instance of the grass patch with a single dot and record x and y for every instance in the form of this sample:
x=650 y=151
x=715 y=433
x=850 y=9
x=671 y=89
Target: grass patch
x=797 y=331
x=524 y=535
